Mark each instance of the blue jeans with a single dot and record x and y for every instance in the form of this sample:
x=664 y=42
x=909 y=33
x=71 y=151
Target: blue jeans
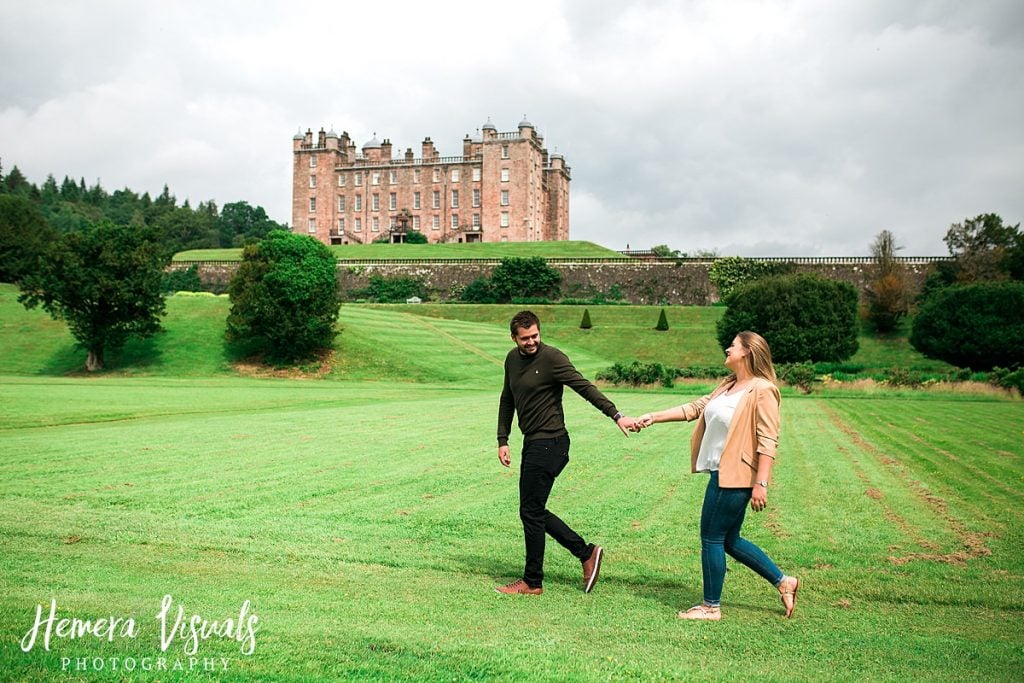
x=720 y=522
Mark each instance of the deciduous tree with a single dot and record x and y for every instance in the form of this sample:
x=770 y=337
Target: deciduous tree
x=886 y=292
x=105 y=282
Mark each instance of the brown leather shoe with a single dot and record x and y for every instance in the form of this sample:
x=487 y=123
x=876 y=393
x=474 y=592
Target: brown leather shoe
x=519 y=587
x=591 y=568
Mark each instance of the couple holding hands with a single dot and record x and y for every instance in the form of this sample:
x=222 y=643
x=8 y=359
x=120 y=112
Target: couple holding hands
x=735 y=440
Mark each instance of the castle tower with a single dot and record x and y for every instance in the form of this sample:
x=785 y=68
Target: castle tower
x=503 y=188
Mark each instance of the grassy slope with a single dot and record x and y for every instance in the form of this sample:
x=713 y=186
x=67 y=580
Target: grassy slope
x=571 y=249
x=401 y=342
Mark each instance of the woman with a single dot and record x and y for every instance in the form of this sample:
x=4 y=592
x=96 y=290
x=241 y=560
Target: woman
x=734 y=440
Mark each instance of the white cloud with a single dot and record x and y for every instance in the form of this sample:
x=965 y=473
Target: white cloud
x=786 y=127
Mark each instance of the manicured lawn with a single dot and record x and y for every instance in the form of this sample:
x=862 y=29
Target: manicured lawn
x=368 y=522
x=366 y=518
x=402 y=342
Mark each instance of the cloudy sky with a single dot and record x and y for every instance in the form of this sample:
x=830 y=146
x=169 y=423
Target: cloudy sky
x=771 y=128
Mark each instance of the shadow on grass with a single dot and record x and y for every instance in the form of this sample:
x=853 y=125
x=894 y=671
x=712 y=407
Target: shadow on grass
x=136 y=354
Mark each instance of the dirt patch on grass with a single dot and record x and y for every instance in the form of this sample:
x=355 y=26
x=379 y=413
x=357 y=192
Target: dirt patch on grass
x=319 y=368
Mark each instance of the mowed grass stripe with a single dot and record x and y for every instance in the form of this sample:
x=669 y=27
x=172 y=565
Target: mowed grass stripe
x=304 y=515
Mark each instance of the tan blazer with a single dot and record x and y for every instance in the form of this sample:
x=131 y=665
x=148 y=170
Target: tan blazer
x=753 y=432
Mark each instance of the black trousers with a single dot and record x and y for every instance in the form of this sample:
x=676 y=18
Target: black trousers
x=543 y=460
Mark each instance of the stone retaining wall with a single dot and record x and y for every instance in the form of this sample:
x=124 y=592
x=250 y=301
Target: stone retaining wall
x=669 y=282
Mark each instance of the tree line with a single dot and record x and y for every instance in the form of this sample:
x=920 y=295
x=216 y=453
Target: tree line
x=97 y=259
x=70 y=206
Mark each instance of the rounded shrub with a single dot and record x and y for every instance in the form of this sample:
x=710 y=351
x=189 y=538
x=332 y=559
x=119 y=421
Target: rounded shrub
x=804 y=317
x=284 y=300
x=978 y=326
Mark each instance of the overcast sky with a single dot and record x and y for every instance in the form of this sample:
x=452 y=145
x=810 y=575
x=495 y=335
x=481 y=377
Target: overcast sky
x=751 y=128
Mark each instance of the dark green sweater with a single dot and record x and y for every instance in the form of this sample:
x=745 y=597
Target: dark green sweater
x=533 y=389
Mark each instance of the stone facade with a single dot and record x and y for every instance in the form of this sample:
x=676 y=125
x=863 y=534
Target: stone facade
x=505 y=187
x=668 y=281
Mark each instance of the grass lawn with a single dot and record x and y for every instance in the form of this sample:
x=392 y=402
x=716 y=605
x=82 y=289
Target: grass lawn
x=367 y=521
x=488 y=250
x=367 y=524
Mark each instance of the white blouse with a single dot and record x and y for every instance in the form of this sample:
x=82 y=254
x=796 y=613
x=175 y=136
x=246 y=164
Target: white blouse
x=717 y=418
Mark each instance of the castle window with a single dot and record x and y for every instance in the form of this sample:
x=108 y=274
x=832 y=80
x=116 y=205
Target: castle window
x=359 y=179
x=476 y=220
x=341 y=180
x=455 y=175
x=415 y=222
x=312 y=225
x=437 y=175
x=437 y=199
x=376 y=224
x=415 y=200
x=341 y=225
x=455 y=221
x=393 y=177
x=504 y=197
x=312 y=181
x=455 y=199
x=312 y=204
x=504 y=219
x=504 y=151
x=376 y=202
x=476 y=175
x=476 y=197
x=375 y=178
x=416 y=175
x=504 y=175
x=391 y=223
x=359 y=202
x=393 y=201
x=341 y=202
x=359 y=225
x=312 y=161
x=436 y=222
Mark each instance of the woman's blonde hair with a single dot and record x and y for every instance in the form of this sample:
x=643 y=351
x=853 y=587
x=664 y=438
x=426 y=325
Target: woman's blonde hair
x=759 y=360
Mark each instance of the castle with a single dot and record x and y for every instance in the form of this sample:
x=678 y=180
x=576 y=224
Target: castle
x=504 y=188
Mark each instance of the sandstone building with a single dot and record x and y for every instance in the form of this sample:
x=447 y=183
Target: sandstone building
x=505 y=187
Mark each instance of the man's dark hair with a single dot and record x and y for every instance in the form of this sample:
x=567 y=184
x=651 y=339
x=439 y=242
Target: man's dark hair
x=524 y=320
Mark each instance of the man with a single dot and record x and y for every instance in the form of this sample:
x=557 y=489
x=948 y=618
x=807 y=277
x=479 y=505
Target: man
x=535 y=375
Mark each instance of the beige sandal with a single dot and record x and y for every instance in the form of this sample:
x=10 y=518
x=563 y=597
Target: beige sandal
x=701 y=612
x=789 y=596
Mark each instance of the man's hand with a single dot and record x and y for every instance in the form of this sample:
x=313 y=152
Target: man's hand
x=503 y=457
x=627 y=425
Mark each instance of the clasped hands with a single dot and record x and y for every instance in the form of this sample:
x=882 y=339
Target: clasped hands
x=634 y=424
